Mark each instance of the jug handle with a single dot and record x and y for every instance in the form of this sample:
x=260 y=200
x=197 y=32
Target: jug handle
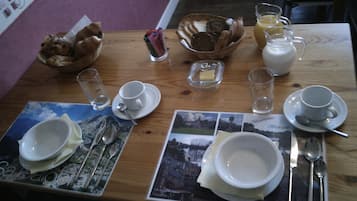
x=301 y=41
x=284 y=20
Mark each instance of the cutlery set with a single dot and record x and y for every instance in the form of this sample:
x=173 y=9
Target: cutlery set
x=106 y=134
x=312 y=152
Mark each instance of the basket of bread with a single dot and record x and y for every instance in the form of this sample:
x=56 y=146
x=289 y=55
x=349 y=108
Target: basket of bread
x=65 y=55
x=210 y=36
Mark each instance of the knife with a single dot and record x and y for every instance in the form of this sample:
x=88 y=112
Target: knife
x=294 y=153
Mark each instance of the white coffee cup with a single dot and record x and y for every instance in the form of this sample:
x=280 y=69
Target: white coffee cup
x=133 y=94
x=316 y=102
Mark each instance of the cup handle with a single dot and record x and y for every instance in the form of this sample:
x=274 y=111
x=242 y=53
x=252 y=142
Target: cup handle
x=139 y=103
x=332 y=112
x=284 y=20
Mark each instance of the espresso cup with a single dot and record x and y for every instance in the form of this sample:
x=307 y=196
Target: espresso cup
x=133 y=94
x=316 y=103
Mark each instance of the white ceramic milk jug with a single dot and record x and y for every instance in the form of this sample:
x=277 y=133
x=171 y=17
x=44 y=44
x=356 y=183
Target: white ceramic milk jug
x=279 y=54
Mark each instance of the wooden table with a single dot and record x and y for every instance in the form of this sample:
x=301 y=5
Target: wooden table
x=328 y=61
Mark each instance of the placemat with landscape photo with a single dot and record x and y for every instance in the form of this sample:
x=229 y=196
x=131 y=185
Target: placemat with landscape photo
x=191 y=133
x=58 y=178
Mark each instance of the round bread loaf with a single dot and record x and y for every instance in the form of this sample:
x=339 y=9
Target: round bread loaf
x=216 y=26
x=203 y=41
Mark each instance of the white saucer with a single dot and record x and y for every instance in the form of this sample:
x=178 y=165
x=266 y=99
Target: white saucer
x=292 y=107
x=270 y=187
x=153 y=97
x=48 y=164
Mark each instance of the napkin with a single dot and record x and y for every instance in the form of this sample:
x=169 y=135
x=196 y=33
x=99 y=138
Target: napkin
x=71 y=34
x=74 y=141
x=209 y=178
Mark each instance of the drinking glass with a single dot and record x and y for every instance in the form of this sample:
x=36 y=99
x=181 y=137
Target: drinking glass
x=262 y=90
x=93 y=88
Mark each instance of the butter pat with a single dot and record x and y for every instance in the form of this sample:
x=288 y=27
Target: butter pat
x=207 y=75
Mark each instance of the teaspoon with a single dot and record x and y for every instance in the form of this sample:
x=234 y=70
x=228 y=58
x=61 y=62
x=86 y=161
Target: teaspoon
x=312 y=152
x=320 y=171
x=123 y=108
x=114 y=149
x=307 y=122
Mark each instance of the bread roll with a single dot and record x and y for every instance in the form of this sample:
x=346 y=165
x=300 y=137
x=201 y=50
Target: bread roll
x=203 y=41
x=223 y=40
x=87 y=46
x=237 y=29
x=59 y=60
x=93 y=29
x=55 y=45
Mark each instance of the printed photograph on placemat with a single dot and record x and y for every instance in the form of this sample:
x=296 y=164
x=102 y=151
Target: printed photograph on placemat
x=230 y=122
x=189 y=122
x=191 y=134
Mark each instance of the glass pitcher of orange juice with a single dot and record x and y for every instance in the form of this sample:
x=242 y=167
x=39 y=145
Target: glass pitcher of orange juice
x=268 y=15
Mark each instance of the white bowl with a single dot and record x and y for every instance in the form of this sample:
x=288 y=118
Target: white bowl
x=45 y=140
x=247 y=160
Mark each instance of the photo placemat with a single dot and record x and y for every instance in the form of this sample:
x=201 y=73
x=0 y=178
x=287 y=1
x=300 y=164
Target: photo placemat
x=90 y=122
x=191 y=133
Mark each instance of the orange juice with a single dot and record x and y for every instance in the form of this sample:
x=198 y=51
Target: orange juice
x=263 y=22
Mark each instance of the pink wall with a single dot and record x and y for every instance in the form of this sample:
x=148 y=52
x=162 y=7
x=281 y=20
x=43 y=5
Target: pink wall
x=20 y=43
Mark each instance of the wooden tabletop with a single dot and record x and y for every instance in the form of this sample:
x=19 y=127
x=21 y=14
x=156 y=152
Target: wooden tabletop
x=328 y=61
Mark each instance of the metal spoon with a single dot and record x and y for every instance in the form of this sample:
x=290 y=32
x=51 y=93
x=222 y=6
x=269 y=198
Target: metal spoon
x=114 y=149
x=107 y=139
x=312 y=153
x=123 y=108
x=320 y=172
x=306 y=122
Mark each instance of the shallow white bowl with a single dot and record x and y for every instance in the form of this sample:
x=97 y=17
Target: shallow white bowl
x=247 y=160
x=45 y=140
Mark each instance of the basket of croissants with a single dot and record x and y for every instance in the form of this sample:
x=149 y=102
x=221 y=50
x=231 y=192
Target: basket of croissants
x=72 y=56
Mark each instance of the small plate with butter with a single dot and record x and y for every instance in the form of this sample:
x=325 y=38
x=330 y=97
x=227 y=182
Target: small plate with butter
x=206 y=74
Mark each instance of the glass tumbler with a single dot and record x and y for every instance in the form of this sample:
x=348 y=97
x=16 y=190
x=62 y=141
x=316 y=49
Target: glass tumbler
x=262 y=90
x=93 y=88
